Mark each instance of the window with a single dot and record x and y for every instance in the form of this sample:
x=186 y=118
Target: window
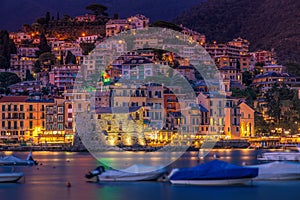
x=30 y=124
x=60 y=126
x=3 y=124
x=60 y=110
x=234 y=121
x=15 y=107
x=21 y=124
x=3 y=107
x=30 y=108
x=60 y=118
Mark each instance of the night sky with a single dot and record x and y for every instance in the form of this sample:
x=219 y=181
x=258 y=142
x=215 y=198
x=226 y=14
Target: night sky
x=15 y=13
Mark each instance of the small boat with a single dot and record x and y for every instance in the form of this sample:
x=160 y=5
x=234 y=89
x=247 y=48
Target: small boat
x=133 y=173
x=280 y=156
x=278 y=170
x=13 y=160
x=213 y=173
x=10 y=177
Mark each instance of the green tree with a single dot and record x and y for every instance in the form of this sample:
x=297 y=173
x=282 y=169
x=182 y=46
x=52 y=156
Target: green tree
x=8 y=78
x=70 y=58
x=47 y=17
x=7 y=47
x=37 y=67
x=261 y=126
x=97 y=9
x=29 y=76
x=247 y=78
x=275 y=98
x=47 y=59
x=45 y=91
x=43 y=46
x=87 y=47
x=293 y=68
x=168 y=25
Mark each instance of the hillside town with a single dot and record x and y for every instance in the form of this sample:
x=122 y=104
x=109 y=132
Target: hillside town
x=42 y=64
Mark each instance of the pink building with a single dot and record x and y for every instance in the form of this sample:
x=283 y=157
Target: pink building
x=64 y=77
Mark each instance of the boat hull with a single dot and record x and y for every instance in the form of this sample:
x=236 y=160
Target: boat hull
x=213 y=182
x=278 y=170
x=274 y=177
x=130 y=177
x=10 y=177
x=280 y=156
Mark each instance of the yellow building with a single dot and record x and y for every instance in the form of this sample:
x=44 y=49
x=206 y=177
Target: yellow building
x=123 y=126
x=23 y=118
x=58 y=124
x=246 y=120
x=34 y=119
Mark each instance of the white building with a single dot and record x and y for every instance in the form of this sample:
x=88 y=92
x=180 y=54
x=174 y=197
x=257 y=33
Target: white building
x=138 y=22
x=137 y=69
x=27 y=51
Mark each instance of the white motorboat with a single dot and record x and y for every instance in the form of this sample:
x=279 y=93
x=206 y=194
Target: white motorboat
x=278 y=170
x=133 y=173
x=13 y=160
x=280 y=156
x=10 y=177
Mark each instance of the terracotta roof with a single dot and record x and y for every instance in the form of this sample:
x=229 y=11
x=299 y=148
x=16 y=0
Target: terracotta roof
x=13 y=98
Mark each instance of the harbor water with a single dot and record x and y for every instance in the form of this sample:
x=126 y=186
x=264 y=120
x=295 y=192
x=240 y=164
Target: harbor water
x=48 y=181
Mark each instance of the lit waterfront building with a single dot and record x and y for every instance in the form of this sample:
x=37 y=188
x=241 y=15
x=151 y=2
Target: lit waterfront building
x=23 y=118
x=35 y=119
x=122 y=125
x=59 y=129
x=235 y=118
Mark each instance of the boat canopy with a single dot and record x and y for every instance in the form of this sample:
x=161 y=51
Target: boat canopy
x=214 y=170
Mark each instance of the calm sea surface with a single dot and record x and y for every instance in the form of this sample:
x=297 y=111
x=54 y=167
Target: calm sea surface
x=48 y=181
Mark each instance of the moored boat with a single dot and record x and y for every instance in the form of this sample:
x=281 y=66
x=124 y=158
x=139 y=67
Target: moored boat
x=215 y=172
x=10 y=177
x=278 y=170
x=280 y=156
x=133 y=173
x=13 y=160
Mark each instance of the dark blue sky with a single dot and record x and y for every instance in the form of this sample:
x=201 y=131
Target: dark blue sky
x=15 y=13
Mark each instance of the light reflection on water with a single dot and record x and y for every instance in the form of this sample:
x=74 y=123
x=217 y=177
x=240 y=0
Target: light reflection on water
x=48 y=181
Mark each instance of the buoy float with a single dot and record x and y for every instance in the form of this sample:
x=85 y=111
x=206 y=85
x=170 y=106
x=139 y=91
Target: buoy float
x=68 y=184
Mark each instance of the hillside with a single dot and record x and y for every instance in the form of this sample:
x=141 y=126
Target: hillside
x=265 y=23
x=29 y=10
